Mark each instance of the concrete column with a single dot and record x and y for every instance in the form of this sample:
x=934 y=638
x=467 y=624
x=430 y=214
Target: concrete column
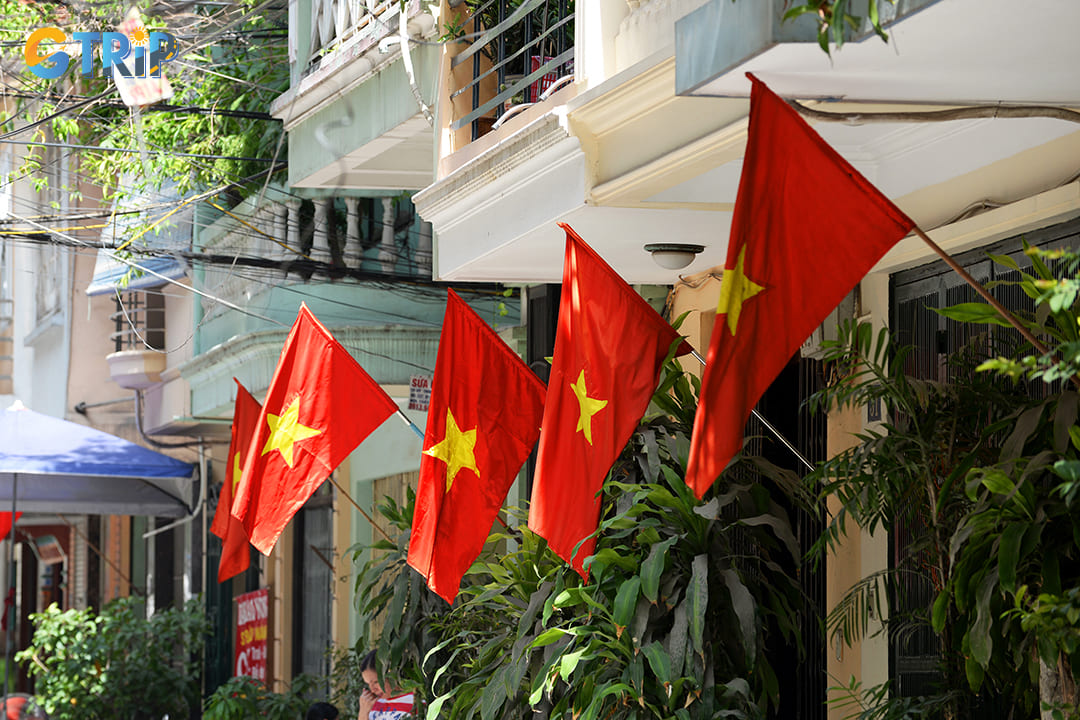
x=423 y=250
x=352 y=252
x=281 y=222
x=388 y=256
x=320 y=243
x=292 y=235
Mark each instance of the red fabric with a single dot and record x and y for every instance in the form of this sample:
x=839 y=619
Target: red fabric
x=609 y=336
x=5 y=524
x=493 y=394
x=235 y=557
x=808 y=227
x=333 y=399
x=394 y=708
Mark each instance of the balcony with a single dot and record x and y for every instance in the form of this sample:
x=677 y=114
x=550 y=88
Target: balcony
x=356 y=117
x=509 y=56
x=271 y=255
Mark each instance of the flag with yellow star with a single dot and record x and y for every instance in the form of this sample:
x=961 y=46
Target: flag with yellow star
x=320 y=405
x=235 y=556
x=483 y=421
x=609 y=346
x=806 y=228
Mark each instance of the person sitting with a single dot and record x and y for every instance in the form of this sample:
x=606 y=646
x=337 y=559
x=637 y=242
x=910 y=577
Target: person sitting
x=377 y=702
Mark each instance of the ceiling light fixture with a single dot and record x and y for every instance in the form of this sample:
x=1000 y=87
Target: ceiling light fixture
x=673 y=256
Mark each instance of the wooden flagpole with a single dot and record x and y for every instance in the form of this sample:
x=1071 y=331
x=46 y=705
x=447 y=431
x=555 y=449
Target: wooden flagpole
x=357 y=506
x=1009 y=317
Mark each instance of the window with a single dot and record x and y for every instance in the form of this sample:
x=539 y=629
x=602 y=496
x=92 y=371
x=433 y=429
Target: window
x=139 y=320
x=50 y=278
x=313 y=579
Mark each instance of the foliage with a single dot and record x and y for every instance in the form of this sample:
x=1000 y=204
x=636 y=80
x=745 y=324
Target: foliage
x=835 y=18
x=116 y=663
x=396 y=608
x=686 y=605
x=346 y=681
x=243 y=697
x=982 y=471
x=908 y=475
x=232 y=64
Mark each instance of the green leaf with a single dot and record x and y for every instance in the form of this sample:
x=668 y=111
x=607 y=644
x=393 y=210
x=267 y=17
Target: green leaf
x=742 y=602
x=653 y=568
x=973 y=312
x=1009 y=554
x=570 y=662
x=659 y=661
x=625 y=602
x=699 y=602
x=982 y=643
x=678 y=638
x=997 y=482
x=1005 y=260
x=491 y=700
x=548 y=637
x=940 y=611
x=975 y=673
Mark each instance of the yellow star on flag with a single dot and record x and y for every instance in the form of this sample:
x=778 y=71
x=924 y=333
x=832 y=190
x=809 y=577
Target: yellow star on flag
x=457 y=450
x=589 y=406
x=286 y=430
x=735 y=289
x=237 y=471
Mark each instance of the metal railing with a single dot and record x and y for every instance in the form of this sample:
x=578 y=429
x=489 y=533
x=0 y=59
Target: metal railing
x=521 y=48
x=337 y=23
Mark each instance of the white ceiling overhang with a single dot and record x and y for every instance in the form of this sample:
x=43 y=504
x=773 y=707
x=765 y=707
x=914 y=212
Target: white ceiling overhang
x=646 y=164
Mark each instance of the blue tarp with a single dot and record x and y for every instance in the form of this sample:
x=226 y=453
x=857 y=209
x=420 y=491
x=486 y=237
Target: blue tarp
x=64 y=467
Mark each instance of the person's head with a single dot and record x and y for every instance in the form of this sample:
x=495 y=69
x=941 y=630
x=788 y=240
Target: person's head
x=322 y=711
x=371 y=675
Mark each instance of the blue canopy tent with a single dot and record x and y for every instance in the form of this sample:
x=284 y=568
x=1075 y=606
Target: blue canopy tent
x=52 y=465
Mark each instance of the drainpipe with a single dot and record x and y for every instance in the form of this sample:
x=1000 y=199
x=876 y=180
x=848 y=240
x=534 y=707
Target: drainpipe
x=198 y=505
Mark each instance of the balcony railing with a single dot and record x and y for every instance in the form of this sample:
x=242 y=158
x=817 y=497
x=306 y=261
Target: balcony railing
x=519 y=50
x=352 y=24
x=315 y=240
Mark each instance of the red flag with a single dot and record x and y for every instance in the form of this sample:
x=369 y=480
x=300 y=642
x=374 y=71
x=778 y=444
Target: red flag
x=5 y=524
x=235 y=556
x=486 y=406
x=807 y=227
x=609 y=347
x=320 y=406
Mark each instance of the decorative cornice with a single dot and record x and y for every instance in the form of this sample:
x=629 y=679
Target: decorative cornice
x=476 y=178
x=385 y=353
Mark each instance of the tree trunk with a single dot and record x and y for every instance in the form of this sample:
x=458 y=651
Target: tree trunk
x=1056 y=687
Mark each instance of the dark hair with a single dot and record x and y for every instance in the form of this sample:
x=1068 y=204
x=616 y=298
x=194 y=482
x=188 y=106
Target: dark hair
x=368 y=662
x=322 y=711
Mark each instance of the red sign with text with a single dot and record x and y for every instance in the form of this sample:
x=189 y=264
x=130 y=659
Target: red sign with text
x=252 y=620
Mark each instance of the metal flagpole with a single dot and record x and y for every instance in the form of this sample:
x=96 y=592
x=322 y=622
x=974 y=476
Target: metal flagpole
x=405 y=419
x=768 y=425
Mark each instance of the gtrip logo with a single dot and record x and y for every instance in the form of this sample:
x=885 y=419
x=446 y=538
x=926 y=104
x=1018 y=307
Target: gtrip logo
x=135 y=54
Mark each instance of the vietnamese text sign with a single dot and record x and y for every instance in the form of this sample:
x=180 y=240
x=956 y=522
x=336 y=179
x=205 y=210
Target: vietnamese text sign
x=252 y=615
x=420 y=392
